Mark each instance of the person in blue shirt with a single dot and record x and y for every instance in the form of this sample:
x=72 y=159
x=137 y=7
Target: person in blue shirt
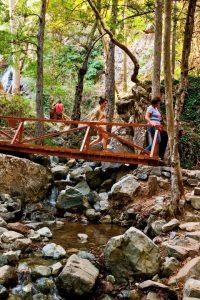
x=153 y=118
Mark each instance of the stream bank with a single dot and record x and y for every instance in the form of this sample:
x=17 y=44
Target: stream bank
x=102 y=231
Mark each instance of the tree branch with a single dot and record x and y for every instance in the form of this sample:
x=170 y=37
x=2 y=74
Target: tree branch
x=117 y=43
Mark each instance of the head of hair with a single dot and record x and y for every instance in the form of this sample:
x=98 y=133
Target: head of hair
x=155 y=101
x=59 y=101
x=102 y=100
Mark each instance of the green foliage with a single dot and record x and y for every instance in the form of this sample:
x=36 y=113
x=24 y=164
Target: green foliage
x=191 y=112
x=190 y=141
x=13 y=105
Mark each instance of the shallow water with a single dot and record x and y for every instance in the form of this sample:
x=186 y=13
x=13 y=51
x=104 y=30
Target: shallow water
x=98 y=236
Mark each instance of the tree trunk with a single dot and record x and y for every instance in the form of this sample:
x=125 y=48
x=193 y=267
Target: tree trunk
x=169 y=108
x=110 y=66
x=157 y=49
x=16 y=54
x=125 y=83
x=174 y=31
x=76 y=112
x=180 y=96
x=39 y=81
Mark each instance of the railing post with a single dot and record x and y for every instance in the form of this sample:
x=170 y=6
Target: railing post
x=86 y=140
x=154 y=148
x=18 y=134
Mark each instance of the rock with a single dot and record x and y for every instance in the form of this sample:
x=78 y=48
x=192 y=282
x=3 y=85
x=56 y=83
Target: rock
x=152 y=285
x=125 y=189
x=94 y=178
x=22 y=291
x=78 y=276
x=79 y=173
x=195 y=201
x=3 y=292
x=22 y=244
x=107 y=184
x=53 y=251
x=156 y=171
x=86 y=255
x=173 y=224
x=44 y=285
x=192 y=182
x=132 y=253
x=10 y=236
x=170 y=265
x=92 y=215
x=83 y=237
x=192 y=217
x=18 y=227
x=71 y=163
x=2 y=222
x=106 y=219
x=31 y=180
x=40 y=271
x=2 y=230
x=83 y=188
x=56 y=268
x=70 y=199
x=197 y=191
x=154 y=296
x=190 y=226
x=44 y=231
x=194 y=235
x=8 y=275
x=157 y=226
x=159 y=204
x=192 y=288
x=12 y=257
x=152 y=185
x=110 y=278
x=191 y=268
x=181 y=247
x=59 y=172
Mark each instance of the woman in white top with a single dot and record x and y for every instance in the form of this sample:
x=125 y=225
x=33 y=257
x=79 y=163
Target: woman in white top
x=153 y=118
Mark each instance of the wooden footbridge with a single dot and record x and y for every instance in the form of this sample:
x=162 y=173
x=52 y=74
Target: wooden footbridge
x=17 y=135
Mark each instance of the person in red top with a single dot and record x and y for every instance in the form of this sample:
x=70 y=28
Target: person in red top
x=59 y=110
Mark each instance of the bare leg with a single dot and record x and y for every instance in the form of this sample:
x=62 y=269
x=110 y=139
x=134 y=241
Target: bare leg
x=99 y=139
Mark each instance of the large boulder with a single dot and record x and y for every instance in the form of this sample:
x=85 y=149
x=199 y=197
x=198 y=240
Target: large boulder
x=132 y=253
x=23 y=178
x=75 y=198
x=125 y=188
x=70 y=198
x=78 y=276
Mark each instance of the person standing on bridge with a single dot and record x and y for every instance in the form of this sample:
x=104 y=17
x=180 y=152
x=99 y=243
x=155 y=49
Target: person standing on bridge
x=153 y=118
x=100 y=116
x=59 y=110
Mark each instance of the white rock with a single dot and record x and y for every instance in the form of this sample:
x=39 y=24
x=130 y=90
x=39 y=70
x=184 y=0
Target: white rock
x=45 y=231
x=54 y=251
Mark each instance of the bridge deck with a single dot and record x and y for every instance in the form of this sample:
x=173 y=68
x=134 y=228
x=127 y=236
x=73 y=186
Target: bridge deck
x=18 y=141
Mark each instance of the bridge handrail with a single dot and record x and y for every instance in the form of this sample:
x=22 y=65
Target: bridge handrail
x=73 y=122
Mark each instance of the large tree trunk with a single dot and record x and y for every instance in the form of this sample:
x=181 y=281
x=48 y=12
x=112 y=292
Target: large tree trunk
x=39 y=81
x=16 y=54
x=157 y=48
x=180 y=96
x=169 y=107
x=110 y=66
x=175 y=10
